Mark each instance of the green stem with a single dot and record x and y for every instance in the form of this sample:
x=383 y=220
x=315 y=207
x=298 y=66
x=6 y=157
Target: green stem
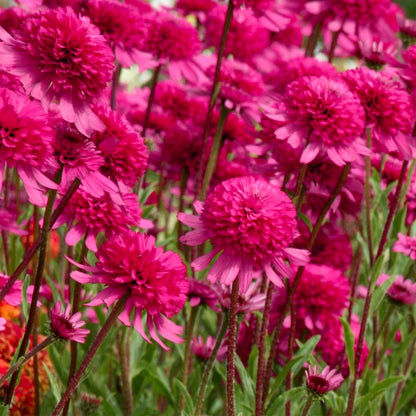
x=308 y=405
x=368 y=200
x=37 y=283
x=151 y=98
x=215 y=150
x=187 y=354
x=108 y=324
x=232 y=342
x=124 y=355
x=383 y=324
x=114 y=87
x=210 y=364
x=313 y=40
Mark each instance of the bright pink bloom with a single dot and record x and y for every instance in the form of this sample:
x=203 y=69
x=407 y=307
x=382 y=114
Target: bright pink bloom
x=402 y=291
x=201 y=293
x=79 y=157
x=388 y=108
x=124 y=28
x=26 y=144
x=406 y=245
x=65 y=326
x=321 y=383
x=3 y=322
x=124 y=151
x=90 y=215
x=154 y=279
x=324 y=117
x=252 y=224
x=61 y=58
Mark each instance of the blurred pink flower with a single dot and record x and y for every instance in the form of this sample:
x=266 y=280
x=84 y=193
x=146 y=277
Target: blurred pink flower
x=321 y=383
x=202 y=349
x=14 y=295
x=65 y=326
x=405 y=245
x=402 y=291
x=61 y=57
x=155 y=280
x=251 y=224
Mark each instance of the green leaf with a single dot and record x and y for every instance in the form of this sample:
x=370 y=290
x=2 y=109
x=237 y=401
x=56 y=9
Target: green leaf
x=379 y=294
x=305 y=351
x=306 y=220
x=178 y=388
x=349 y=344
x=4 y=410
x=247 y=382
x=277 y=404
x=56 y=390
x=25 y=305
x=408 y=394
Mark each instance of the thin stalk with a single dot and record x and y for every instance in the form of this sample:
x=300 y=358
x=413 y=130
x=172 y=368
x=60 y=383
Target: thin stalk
x=290 y=351
x=181 y=208
x=368 y=200
x=381 y=328
x=334 y=41
x=213 y=95
x=38 y=280
x=393 y=207
x=355 y=269
x=76 y=297
x=298 y=276
x=405 y=373
x=32 y=251
x=262 y=349
x=6 y=250
x=299 y=185
x=313 y=40
x=232 y=342
x=124 y=356
x=20 y=362
x=151 y=98
x=187 y=354
x=215 y=150
x=210 y=364
x=308 y=405
x=114 y=87
x=108 y=324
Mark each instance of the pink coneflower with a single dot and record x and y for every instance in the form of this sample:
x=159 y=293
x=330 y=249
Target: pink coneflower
x=88 y=215
x=154 y=279
x=202 y=349
x=388 y=107
x=321 y=383
x=26 y=144
x=8 y=222
x=124 y=151
x=201 y=293
x=79 y=158
x=405 y=245
x=65 y=326
x=124 y=28
x=324 y=117
x=3 y=322
x=402 y=291
x=61 y=58
x=251 y=224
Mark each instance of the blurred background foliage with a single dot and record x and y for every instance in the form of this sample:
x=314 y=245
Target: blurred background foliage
x=409 y=6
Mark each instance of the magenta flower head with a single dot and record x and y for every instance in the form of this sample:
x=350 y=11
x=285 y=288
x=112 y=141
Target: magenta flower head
x=323 y=116
x=389 y=110
x=61 y=58
x=251 y=224
x=321 y=383
x=67 y=327
x=154 y=279
x=405 y=245
x=402 y=291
